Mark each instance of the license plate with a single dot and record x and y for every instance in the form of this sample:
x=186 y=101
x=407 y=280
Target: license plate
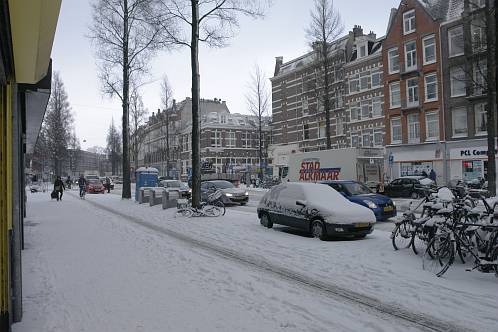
x=388 y=209
x=360 y=225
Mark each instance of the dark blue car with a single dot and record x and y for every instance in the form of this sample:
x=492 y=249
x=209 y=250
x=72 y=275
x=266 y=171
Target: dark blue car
x=357 y=192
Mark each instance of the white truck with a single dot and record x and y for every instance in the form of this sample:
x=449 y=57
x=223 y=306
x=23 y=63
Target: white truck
x=360 y=164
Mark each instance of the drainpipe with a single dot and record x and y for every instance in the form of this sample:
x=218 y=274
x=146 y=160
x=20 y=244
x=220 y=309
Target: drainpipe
x=443 y=112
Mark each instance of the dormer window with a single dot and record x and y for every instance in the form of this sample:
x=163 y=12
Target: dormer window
x=363 y=51
x=409 y=22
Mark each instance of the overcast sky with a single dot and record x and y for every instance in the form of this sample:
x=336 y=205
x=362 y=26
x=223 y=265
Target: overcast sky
x=225 y=73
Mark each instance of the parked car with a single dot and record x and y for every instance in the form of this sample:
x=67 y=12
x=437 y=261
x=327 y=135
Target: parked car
x=382 y=206
x=94 y=186
x=409 y=186
x=231 y=194
x=118 y=180
x=315 y=208
x=177 y=186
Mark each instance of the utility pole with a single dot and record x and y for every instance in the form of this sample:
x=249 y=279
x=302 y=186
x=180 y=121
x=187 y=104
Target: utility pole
x=491 y=96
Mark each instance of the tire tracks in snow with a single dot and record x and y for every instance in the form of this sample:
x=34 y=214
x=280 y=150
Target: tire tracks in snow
x=371 y=304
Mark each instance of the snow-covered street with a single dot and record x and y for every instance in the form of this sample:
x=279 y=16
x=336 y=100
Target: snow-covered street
x=104 y=264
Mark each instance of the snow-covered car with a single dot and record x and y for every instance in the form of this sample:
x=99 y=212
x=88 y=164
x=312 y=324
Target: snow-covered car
x=95 y=187
x=315 y=208
x=231 y=194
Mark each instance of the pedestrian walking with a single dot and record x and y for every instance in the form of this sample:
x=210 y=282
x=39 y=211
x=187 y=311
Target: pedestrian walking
x=59 y=188
x=108 y=184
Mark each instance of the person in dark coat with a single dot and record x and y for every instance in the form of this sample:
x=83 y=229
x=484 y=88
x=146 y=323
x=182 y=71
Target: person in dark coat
x=59 y=188
x=424 y=173
x=432 y=175
x=108 y=184
x=82 y=184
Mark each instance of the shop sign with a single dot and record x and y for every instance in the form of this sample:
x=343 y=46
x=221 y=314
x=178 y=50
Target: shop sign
x=469 y=153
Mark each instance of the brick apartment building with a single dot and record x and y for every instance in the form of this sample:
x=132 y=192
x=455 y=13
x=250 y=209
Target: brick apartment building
x=413 y=100
x=463 y=45
x=356 y=115
x=229 y=142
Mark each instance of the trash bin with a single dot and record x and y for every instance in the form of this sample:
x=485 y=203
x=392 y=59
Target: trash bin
x=145 y=177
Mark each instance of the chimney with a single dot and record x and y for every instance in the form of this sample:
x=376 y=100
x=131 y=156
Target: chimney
x=279 y=60
x=357 y=31
x=372 y=36
x=174 y=104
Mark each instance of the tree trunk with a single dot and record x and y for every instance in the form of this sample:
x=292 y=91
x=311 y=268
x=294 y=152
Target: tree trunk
x=196 y=157
x=126 y=85
x=260 y=147
x=167 y=143
x=491 y=97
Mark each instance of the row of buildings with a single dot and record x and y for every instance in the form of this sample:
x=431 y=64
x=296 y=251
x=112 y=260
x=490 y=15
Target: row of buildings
x=419 y=92
x=229 y=141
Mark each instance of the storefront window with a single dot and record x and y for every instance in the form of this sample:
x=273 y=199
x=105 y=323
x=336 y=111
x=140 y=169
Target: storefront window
x=416 y=168
x=472 y=169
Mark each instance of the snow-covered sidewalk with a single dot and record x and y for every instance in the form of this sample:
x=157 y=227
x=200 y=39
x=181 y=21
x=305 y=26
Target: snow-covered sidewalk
x=85 y=269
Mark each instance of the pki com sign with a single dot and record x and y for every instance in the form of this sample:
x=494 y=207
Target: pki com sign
x=311 y=171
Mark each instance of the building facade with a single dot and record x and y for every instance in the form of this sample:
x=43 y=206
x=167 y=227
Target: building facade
x=464 y=48
x=412 y=90
x=229 y=141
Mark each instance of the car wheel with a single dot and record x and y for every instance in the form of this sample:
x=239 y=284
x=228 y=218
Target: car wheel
x=266 y=221
x=414 y=195
x=318 y=230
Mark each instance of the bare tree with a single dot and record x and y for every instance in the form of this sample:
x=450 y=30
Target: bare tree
x=138 y=117
x=166 y=100
x=126 y=34
x=58 y=124
x=258 y=102
x=325 y=27
x=113 y=147
x=212 y=22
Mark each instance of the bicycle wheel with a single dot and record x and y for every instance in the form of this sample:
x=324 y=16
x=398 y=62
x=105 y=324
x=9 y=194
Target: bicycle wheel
x=212 y=211
x=187 y=213
x=439 y=255
x=221 y=206
x=419 y=240
x=402 y=236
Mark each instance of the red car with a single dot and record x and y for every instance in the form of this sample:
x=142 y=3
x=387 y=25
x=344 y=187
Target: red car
x=95 y=187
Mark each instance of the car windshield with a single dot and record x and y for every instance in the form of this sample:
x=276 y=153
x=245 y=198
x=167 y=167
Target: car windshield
x=356 y=188
x=222 y=184
x=93 y=181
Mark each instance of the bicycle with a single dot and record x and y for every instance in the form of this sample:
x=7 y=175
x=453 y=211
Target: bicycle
x=185 y=208
x=82 y=192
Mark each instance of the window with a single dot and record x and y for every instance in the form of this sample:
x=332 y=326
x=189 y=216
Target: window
x=376 y=106
x=393 y=60
x=411 y=55
x=478 y=32
x=409 y=22
x=394 y=95
x=429 y=43
x=223 y=119
x=364 y=77
x=305 y=104
x=321 y=129
x=306 y=131
x=216 y=139
x=457 y=82
x=376 y=79
x=355 y=112
x=246 y=140
x=363 y=51
x=354 y=140
x=481 y=119
x=459 y=116
x=413 y=128
x=480 y=78
x=430 y=87
x=378 y=138
x=412 y=92
x=432 y=125
x=231 y=140
x=396 y=136
x=366 y=139
x=354 y=84
x=339 y=127
x=365 y=109
x=455 y=40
